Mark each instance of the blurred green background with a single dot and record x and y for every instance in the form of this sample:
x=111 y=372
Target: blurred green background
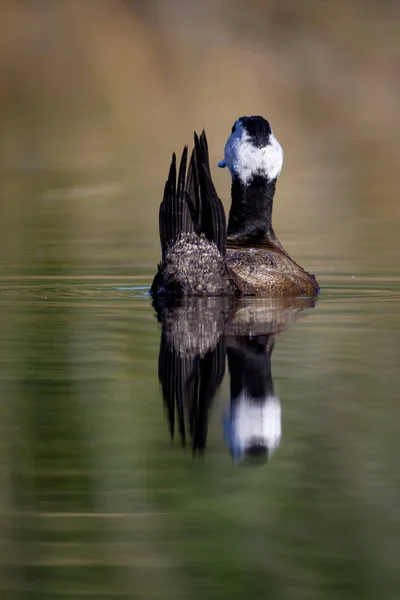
x=94 y=502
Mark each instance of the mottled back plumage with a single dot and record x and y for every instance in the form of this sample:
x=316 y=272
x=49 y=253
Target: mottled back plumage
x=192 y=230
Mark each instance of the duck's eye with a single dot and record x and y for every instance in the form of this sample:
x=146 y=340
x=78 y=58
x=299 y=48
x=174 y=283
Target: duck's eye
x=234 y=128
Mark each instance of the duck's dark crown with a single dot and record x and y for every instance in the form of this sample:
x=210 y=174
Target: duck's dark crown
x=258 y=129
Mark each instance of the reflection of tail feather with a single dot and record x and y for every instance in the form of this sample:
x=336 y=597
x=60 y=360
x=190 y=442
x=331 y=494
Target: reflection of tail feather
x=189 y=384
x=209 y=374
x=171 y=373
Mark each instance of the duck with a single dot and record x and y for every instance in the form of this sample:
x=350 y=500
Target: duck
x=201 y=255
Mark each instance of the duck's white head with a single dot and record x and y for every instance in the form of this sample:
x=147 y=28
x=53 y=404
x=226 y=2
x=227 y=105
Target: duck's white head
x=252 y=150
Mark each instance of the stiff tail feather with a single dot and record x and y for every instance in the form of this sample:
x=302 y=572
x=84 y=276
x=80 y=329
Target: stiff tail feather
x=191 y=204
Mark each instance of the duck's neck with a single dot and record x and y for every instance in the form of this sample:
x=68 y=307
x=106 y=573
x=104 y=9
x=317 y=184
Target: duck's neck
x=250 y=217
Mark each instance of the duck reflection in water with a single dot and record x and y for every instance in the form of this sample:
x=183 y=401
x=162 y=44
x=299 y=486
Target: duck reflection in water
x=197 y=335
x=253 y=426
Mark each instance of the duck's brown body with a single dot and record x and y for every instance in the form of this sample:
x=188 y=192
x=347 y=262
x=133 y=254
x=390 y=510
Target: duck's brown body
x=268 y=272
x=194 y=266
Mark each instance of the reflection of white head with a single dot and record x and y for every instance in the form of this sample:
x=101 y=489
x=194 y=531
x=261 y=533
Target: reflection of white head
x=257 y=422
x=252 y=149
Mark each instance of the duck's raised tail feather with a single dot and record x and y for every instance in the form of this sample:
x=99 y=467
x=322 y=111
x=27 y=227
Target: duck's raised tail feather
x=174 y=215
x=192 y=204
x=213 y=221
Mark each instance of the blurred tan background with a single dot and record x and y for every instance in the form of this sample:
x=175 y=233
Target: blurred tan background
x=95 y=95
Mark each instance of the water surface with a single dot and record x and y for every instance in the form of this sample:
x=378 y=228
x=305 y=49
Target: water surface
x=96 y=501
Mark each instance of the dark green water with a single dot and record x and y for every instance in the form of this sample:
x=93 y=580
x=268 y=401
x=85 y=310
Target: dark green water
x=96 y=502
